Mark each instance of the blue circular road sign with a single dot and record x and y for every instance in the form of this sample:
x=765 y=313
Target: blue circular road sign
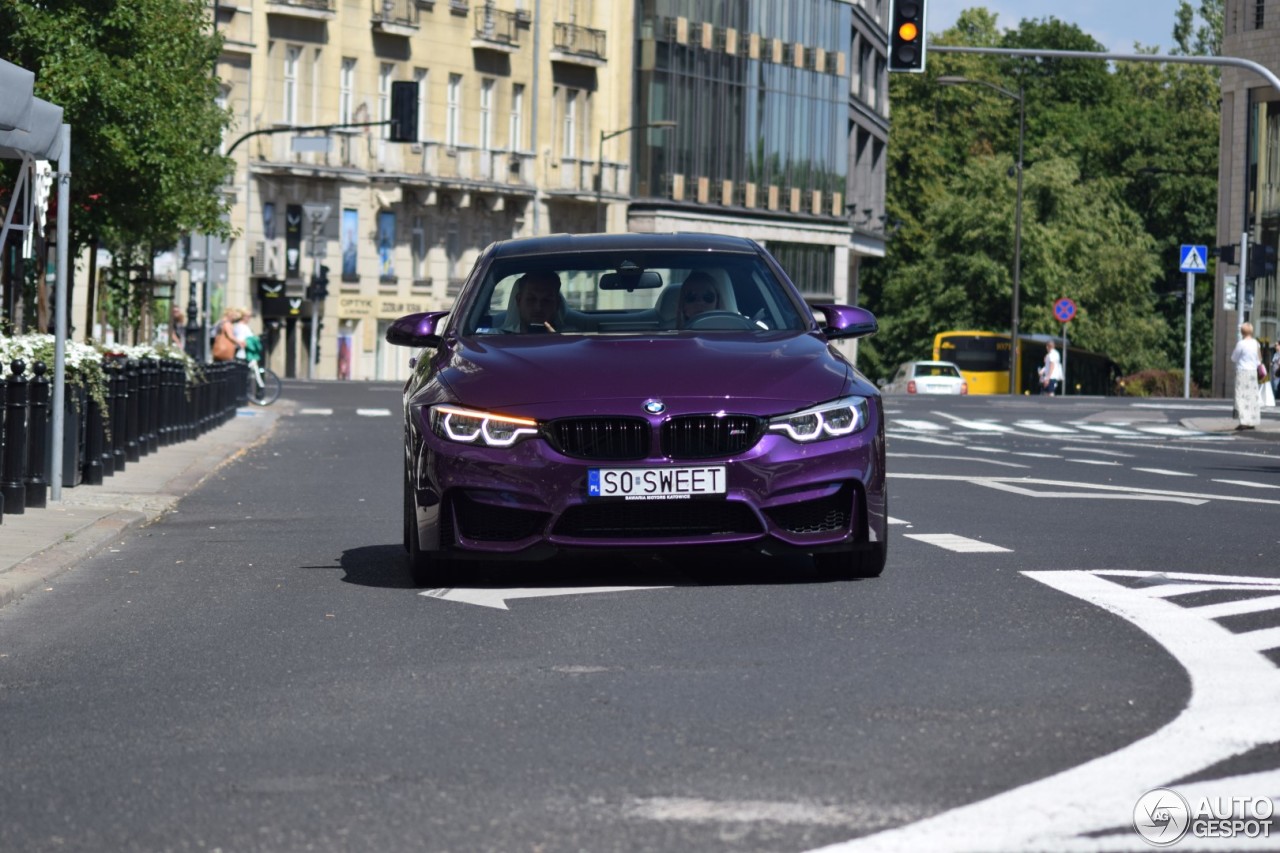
x=1064 y=309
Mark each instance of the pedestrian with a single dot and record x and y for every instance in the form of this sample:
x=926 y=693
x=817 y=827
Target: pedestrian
x=225 y=342
x=1051 y=374
x=1275 y=372
x=177 y=327
x=1247 y=357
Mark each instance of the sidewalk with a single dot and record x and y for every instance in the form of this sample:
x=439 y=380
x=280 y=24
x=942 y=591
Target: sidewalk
x=40 y=543
x=1269 y=428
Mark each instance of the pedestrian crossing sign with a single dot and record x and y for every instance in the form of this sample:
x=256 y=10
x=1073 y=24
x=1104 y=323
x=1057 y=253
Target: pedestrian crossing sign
x=1193 y=258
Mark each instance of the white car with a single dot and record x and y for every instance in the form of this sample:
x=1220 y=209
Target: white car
x=927 y=377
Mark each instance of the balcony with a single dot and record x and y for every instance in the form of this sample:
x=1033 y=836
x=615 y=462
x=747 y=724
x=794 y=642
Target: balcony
x=578 y=45
x=395 y=17
x=496 y=30
x=313 y=10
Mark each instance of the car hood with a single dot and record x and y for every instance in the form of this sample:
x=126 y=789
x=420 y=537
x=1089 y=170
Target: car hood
x=755 y=373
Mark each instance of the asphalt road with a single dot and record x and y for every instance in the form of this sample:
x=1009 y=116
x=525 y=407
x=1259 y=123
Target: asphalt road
x=255 y=673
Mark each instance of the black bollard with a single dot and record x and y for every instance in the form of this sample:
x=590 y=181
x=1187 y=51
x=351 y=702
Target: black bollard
x=14 y=467
x=149 y=407
x=37 y=482
x=119 y=425
x=94 y=440
x=132 y=452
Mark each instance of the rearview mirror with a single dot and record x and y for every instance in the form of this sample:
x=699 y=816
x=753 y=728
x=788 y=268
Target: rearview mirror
x=845 y=321
x=417 y=330
x=637 y=280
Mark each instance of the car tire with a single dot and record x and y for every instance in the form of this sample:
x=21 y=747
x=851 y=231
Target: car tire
x=863 y=563
x=426 y=568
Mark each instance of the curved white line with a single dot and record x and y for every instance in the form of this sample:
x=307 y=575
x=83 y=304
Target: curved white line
x=1234 y=695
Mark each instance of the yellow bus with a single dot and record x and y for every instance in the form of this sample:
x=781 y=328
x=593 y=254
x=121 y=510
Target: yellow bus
x=983 y=358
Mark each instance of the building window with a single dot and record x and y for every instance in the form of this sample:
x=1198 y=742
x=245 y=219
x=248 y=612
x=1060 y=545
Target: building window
x=346 y=90
x=386 y=246
x=451 y=111
x=570 y=124
x=1259 y=14
x=420 y=77
x=386 y=71
x=486 y=114
x=292 y=54
x=419 y=250
x=515 y=133
x=350 y=244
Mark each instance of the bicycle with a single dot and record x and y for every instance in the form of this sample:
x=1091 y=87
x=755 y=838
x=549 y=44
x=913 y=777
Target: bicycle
x=264 y=385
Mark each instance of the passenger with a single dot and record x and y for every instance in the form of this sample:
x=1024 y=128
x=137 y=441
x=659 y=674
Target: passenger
x=698 y=295
x=535 y=305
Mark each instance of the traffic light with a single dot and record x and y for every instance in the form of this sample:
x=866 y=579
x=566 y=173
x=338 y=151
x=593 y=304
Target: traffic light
x=906 y=36
x=404 y=111
x=1227 y=254
x=1262 y=261
x=318 y=289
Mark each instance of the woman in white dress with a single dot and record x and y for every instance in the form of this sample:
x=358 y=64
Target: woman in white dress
x=1247 y=356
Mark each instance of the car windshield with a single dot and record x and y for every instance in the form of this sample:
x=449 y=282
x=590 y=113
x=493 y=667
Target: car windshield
x=631 y=292
x=937 y=370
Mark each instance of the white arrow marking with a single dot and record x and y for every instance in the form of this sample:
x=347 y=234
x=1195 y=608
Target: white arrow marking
x=497 y=597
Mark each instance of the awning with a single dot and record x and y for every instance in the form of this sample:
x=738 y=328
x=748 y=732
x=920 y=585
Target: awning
x=16 y=88
x=43 y=139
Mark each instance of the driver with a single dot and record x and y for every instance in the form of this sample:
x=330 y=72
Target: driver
x=698 y=294
x=536 y=300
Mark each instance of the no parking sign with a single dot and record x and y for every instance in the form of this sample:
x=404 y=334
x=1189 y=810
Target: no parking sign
x=1064 y=309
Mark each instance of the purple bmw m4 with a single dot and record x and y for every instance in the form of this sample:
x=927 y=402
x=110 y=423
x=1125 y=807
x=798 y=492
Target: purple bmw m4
x=637 y=392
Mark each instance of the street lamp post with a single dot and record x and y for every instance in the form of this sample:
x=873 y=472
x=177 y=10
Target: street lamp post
x=606 y=135
x=1020 y=97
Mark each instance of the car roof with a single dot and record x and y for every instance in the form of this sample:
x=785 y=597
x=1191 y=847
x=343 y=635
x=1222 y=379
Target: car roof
x=554 y=244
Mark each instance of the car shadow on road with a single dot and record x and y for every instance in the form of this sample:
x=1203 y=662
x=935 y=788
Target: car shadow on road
x=385 y=566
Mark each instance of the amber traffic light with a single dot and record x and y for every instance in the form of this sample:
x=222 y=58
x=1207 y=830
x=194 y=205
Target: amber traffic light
x=906 y=36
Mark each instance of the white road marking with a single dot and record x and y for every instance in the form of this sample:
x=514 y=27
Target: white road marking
x=1041 y=426
x=1262 y=640
x=988 y=449
x=1165 y=472
x=983 y=426
x=893 y=520
x=957 y=458
x=960 y=544
x=1237 y=608
x=1104 y=429
x=315 y=411
x=498 y=598
x=925 y=439
x=1098 y=452
x=1234 y=694
x=373 y=413
x=1168 y=430
x=1249 y=483
x=1094 y=461
x=927 y=426
x=1006 y=482
x=1039 y=455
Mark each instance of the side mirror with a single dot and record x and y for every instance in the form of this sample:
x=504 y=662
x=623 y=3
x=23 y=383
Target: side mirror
x=845 y=321
x=417 y=330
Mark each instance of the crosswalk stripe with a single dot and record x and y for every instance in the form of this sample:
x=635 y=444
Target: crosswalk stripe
x=1041 y=426
x=1261 y=640
x=1168 y=430
x=315 y=411
x=1248 y=483
x=1110 y=430
x=983 y=426
x=1165 y=472
x=374 y=413
x=927 y=426
x=960 y=544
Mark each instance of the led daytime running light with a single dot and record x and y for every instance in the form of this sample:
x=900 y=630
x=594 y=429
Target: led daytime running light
x=493 y=430
x=830 y=420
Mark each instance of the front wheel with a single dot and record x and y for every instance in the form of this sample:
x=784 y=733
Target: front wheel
x=426 y=568
x=264 y=387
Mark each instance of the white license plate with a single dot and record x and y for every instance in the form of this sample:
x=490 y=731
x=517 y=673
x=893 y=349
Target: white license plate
x=655 y=483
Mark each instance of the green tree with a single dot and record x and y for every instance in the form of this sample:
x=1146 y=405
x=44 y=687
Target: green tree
x=136 y=86
x=1119 y=168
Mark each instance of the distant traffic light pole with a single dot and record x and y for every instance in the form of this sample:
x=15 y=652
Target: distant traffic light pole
x=662 y=124
x=1020 y=97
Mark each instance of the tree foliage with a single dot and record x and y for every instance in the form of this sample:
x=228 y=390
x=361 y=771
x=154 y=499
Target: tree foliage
x=1119 y=169
x=135 y=81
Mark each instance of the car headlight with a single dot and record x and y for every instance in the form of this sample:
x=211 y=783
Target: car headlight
x=470 y=426
x=828 y=420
